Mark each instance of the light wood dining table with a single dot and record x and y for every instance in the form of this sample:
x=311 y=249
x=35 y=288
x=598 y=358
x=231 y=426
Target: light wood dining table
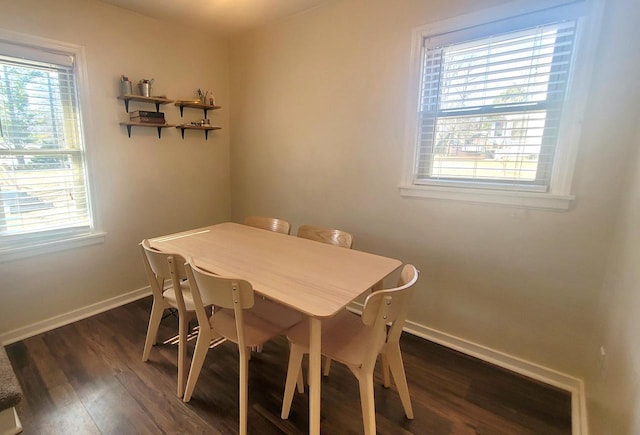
x=314 y=278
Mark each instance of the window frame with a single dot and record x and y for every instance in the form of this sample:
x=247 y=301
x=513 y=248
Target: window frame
x=558 y=195
x=48 y=241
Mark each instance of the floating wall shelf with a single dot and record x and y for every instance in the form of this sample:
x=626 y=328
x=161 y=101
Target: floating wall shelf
x=153 y=100
x=196 y=105
x=142 y=124
x=205 y=128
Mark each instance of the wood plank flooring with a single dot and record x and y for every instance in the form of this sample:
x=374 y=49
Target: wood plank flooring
x=88 y=378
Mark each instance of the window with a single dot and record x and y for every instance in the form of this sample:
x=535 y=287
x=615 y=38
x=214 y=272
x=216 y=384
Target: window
x=44 y=195
x=494 y=107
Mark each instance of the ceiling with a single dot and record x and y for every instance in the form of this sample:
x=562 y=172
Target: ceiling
x=222 y=17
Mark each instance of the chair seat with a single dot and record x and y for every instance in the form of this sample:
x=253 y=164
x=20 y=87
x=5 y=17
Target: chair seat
x=170 y=296
x=261 y=323
x=344 y=338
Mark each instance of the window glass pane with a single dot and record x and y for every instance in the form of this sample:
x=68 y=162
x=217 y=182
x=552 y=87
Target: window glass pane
x=491 y=147
x=42 y=167
x=504 y=71
x=490 y=108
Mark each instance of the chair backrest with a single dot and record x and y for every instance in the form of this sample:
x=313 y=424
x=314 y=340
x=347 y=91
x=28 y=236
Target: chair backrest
x=161 y=266
x=210 y=289
x=326 y=235
x=269 y=224
x=389 y=306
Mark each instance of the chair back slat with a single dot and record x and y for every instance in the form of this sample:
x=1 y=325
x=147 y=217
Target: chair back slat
x=378 y=307
x=401 y=296
x=218 y=291
x=158 y=261
x=161 y=266
x=326 y=235
x=408 y=277
x=270 y=224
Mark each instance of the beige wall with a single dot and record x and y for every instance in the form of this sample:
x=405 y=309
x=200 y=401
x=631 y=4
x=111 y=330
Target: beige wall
x=144 y=186
x=319 y=108
x=613 y=382
x=614 y=386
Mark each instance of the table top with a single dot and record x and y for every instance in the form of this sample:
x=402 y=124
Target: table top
x=315 y=278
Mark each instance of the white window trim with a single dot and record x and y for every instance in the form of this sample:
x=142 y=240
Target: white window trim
x=47 y=247
x=559 y=196
x=73 y=240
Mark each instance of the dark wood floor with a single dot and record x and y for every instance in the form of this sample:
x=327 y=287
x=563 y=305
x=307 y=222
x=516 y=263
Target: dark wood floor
x=88 y=378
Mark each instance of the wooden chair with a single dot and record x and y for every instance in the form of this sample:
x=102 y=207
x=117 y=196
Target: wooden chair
x=326 y=235
x=332 y=237
x=239 y=317
x=356 y=342
x=269 y=224
x=160 y=267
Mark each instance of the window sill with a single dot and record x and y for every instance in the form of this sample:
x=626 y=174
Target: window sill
x=534 y=200
x=46 y=247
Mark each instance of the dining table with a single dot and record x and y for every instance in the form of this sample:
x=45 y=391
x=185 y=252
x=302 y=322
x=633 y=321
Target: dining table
x=316 y=279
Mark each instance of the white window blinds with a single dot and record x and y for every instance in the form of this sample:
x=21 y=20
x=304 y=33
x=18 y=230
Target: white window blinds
x=43 y=188
x=491 y=106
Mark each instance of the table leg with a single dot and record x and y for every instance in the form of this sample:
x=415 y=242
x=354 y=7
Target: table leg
x=315 y=334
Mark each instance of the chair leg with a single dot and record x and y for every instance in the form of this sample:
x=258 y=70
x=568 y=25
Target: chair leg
x=183 y=330
x=294 y=368
x=199 y=354
x=244 y=388
x=386 y=380
x=365 y=382
x=327 y=366
x=394 y=357
x=300 y=382
x=152 y=329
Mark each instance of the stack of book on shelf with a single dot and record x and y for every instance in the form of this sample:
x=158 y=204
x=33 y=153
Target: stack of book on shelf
x=145 y=117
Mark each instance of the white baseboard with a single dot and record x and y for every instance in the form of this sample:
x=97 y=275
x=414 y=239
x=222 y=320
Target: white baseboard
x=72 y=316
x=566 y=382
x=540 y=373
